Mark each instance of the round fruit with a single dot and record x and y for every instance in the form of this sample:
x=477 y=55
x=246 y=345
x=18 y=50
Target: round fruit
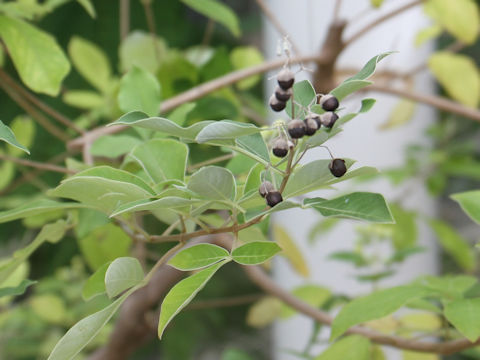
x=265 y=188
x=273 y=198
x=328 y=119
x=329 y=102
x=280 y=148
x=337 y=167
x=283 y=95
x=285 y=78
x=276 y=104
x=296 y=128
x=311 y=126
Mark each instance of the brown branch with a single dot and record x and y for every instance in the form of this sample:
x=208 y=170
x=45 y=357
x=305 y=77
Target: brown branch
x=435 y=101
x=37 y=165
x=380 y=20
x=147 y=6
x=194 y=234
x=277 y=24
x=30 y=110
x=38 y=103
x=258 y=276
x=336 y=10
x=124 y=19
x=196 y=93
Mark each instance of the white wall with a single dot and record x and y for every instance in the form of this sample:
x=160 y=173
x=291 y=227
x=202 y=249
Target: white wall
x=306 y=22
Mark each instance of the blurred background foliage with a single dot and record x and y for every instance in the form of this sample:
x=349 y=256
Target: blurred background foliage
x=189 y=50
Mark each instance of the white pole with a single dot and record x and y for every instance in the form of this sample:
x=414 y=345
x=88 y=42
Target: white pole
x=306 y=22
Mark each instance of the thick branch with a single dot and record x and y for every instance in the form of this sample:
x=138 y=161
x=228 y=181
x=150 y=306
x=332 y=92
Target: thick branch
x=435 y=101
x=380 y=20
x=258 y=276
x=196 y=93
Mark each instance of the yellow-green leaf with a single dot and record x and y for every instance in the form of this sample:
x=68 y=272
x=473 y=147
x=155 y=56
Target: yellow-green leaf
x=291 y=251
x=459 y=75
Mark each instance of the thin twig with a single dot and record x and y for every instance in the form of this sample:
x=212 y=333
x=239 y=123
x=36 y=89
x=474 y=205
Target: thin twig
x=277 y=24
x=435 y=101
x=37 y=165
x=30 y=110
x=38 y=103
x=196 y=93
x=258 y=276
x=147 y=6
x=336 y=11
x=207 y=35
x=380 y=20
x=124 y=19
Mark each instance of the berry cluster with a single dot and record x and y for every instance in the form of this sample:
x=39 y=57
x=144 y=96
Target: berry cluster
x=299 y=128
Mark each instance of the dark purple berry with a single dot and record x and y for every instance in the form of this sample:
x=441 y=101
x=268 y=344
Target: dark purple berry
x=283 y=95
x=296 y=129
x=328 y=119
x=273 y=198
x=285 y=78
x=280 y=147
x=265 y=188
x=311 y=126
x=337 y=167
x=276 y=104
x=329 y=102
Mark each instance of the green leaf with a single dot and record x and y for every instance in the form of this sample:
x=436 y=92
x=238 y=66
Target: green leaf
x=84 y=331
x=88 y=6
x=161 y=159
x=50 y=308
x=264 y=311
x=314 y=295
x=376 y=3
x=113 y=146
x=213 y=183
x=449 y=287
x=217 y=11
x=141 y=49
x=95 y=284
x=225 y=130
x=7 y=135
x=311 y=176
x=470 y=203
x=198 y=257
x=104 y=244
x=291 y=251
x=39 y=60
x=122 y=274
x=427 y=34
x=404 y=231
x=459 y=17
x=358 y=205
x=255 y=145
x=83 y=99
x=23 y=127
x=465 y=316
x=454 y=244
x=400 y=115
x=91 y=62
x=35 y=207
x=354 y=347
x=374 y=306
x=303 y=94
x=139 y=90
x=137 y=118
x=243 y=57
x=182 y=293
x=255 y=252
x=103 y=187
x=367 y=104
x=355 y=258
x=17 y=290
x=348 y=87
x=168 y=202
x=369 y=67
x=50 y=232
x=459 y=76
